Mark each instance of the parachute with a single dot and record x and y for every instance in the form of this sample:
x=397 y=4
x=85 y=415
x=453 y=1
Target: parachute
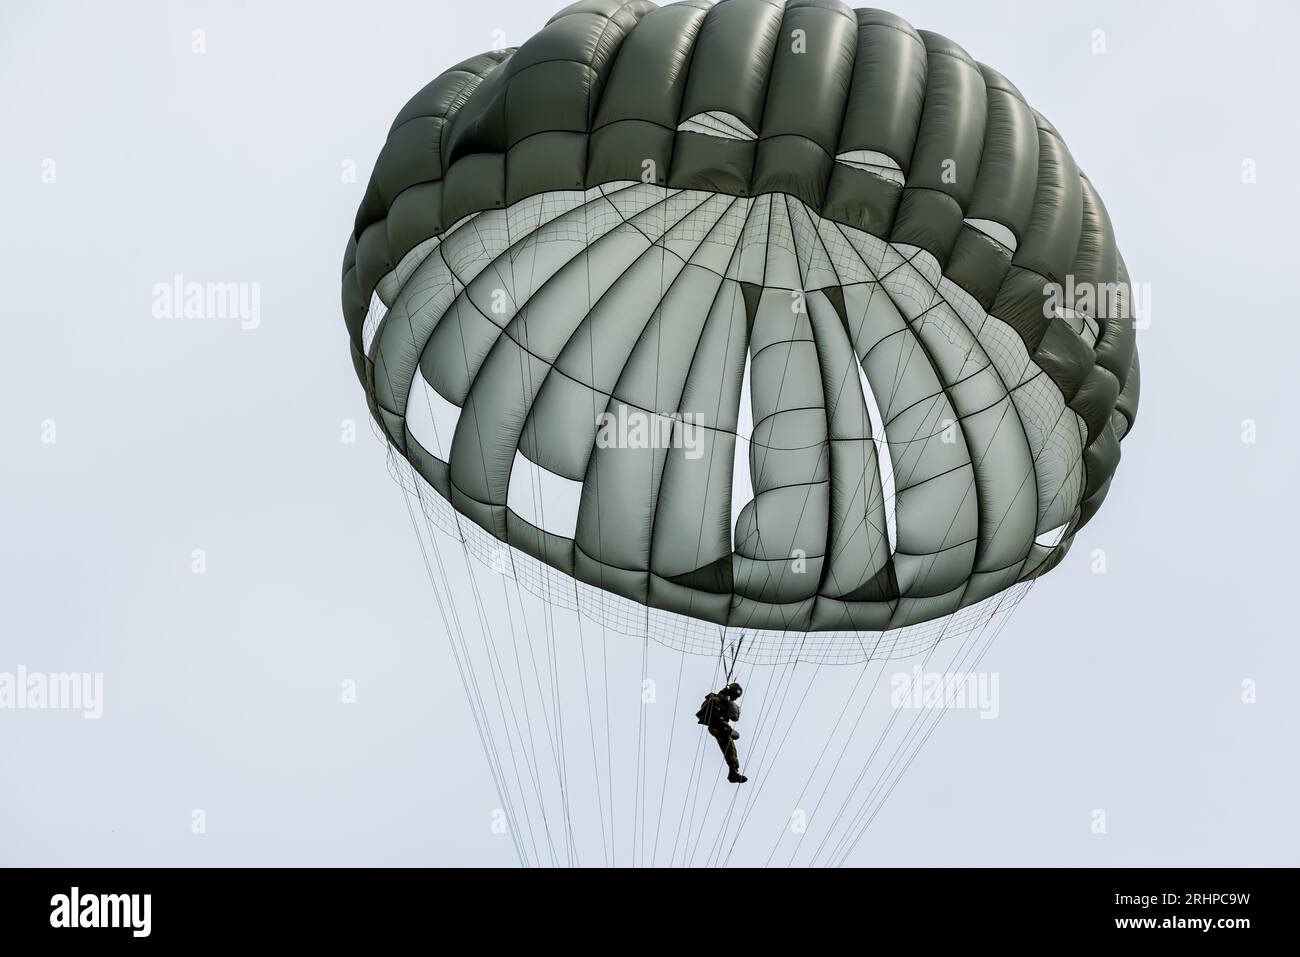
x=709 y=339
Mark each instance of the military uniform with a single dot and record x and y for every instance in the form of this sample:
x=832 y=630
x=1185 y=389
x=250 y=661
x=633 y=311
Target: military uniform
x=723 y=712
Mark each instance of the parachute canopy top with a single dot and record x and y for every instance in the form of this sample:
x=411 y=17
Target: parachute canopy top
x=745 y=312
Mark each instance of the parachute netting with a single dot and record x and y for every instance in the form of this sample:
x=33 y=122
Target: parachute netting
x=676 y=631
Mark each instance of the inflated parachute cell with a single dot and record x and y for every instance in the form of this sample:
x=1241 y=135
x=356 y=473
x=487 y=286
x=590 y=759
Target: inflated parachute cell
x=737 y=312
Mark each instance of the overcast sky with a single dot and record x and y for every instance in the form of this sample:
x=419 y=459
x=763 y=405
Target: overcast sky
x=133 y=445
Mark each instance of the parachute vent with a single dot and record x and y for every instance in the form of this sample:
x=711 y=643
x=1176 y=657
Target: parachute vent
x=722 y=125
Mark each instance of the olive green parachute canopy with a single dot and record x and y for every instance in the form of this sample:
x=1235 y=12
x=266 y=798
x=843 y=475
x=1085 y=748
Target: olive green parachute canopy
x=742 y=313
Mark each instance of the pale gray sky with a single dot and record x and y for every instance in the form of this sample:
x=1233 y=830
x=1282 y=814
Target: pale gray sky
x=1120 y=692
